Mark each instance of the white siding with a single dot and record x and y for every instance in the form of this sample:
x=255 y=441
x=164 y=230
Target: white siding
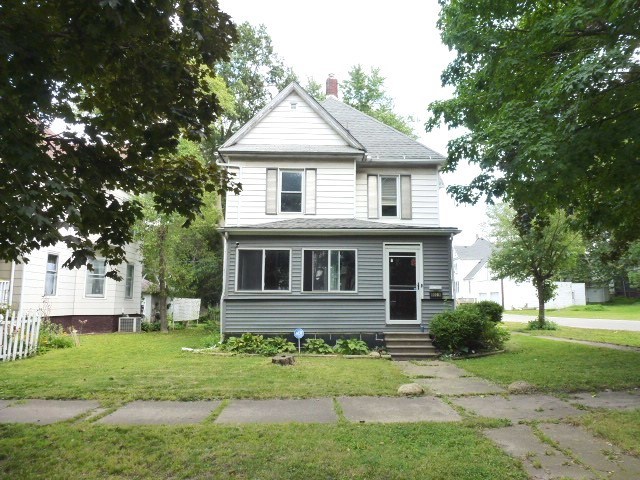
x=334 y=191
x=424 y=188
x=287 y=126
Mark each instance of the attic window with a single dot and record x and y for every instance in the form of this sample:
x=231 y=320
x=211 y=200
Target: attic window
x=294 y=105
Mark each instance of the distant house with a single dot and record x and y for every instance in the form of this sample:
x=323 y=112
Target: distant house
x=474 y=281
x=85 y=300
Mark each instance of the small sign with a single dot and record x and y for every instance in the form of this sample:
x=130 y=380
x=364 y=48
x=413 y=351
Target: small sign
x=298 y=333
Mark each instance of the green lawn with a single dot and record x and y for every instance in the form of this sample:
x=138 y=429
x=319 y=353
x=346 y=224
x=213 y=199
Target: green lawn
x=619 y=309
x=115 y=368
x=593 y=335
x=558 y=366
x=621 y=428
x=402 y=451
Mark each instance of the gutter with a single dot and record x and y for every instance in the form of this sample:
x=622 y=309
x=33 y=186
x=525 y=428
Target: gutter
x=340 y=231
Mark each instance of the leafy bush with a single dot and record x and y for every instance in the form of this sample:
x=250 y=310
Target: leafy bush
x=317 y=345
x=211 y=340
x=150 y=326
x=466 y=330
x=257 y=344
x=535 y=325
x=276 y=345
x=486 y=308
x=347 y=346
x=52 y=336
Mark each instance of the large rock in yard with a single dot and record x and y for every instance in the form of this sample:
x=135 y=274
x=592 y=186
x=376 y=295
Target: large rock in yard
x=283 y=360
x=410 y=389
x=520 y=387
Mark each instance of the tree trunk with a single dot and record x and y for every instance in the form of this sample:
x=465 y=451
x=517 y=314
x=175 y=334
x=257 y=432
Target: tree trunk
x=162 y=277
x=540 y=290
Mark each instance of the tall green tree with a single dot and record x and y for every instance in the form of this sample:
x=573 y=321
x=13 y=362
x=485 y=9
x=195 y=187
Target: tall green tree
x=366 y=92
x=550 y=95
x=532 y=248
x=129 y=78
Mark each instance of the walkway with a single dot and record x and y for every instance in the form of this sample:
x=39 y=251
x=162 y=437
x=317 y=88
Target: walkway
x=595 y=323
x=611 y=346
x=546 y=448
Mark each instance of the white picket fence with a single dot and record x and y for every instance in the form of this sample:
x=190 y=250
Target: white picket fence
x=18 y=335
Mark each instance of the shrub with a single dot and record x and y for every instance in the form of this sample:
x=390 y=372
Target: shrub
x=535 y=325
x=347 y=346
x=150 y=326
x=211 y=340
x=257 y=344
x=52 y=336
x=486 y=308
x=275 y=345
x=317 y=345
x=465 y=330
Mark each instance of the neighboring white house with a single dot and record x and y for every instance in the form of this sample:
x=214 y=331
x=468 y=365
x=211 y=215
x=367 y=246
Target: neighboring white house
x=86 y=300
x=473 y=282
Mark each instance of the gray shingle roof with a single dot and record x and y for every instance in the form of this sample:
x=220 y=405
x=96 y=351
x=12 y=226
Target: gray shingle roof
x=381 y=141
x=480 y=249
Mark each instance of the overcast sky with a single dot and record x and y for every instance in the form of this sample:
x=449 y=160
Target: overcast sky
x=402 y=39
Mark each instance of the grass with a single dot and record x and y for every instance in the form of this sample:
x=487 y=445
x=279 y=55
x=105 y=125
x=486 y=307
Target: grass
x=621 y=428
x=618 y=309
x=402 y=451
x=592 y=335
x=558 y=366
x=116 y=368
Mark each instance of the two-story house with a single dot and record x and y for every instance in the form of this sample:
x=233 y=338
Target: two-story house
x=337 y=229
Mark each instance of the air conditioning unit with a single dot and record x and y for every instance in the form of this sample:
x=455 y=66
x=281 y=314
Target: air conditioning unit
x=129 y=324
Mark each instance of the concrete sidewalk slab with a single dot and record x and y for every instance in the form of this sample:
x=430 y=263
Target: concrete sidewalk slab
x=5 y=403
x=437 y=370
x=518 y=407
x=44 y=412
x=595 y=452
x=595 y=323
x=615 y=400
x=460 y=386
x=314 y=410
x=397 y=409
x=541 y=461
x=160 y=413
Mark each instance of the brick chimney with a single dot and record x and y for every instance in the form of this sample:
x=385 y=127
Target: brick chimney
x=332 y=86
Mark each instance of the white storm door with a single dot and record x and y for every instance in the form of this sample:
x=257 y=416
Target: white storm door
x=403 y=283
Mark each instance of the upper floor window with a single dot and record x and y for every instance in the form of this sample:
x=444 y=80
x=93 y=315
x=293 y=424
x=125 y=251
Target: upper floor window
x=263 y=270
x=329 y=271
x=128 y=282
x=51 y=275
x=389 y=196
x=291 y=190
x=95 y=279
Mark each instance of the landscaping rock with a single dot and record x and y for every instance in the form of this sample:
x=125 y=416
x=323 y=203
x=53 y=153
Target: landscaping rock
x=410 y=389
x=521 y=387
x=374 y=354
x=283 y=360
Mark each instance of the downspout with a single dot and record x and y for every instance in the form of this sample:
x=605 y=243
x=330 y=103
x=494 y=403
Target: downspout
x=225 y=238
x=22 y=284
x=11 y=280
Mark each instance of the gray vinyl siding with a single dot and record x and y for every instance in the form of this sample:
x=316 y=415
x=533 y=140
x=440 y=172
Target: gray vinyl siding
x=343 y=312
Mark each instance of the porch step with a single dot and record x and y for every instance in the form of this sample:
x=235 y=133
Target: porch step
x=409 y=345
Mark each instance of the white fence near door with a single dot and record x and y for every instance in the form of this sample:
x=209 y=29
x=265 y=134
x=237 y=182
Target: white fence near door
x=19 y=334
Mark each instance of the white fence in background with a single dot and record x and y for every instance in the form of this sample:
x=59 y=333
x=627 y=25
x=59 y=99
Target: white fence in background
x=184 y=309
x=18 y=335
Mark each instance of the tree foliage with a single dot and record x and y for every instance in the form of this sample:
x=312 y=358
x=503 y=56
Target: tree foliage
x=129 y=78
x=532 y=248
x=366 y=92
x=550 y=95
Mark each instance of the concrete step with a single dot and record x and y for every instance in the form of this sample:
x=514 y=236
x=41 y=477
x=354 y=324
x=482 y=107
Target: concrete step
x=411 y=349
x=408 y=341
x=413 y=356
x=405 y=345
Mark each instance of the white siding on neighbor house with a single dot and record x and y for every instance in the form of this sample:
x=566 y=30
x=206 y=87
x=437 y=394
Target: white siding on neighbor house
x=287 y=126
x=334 y=190
x=424 y=195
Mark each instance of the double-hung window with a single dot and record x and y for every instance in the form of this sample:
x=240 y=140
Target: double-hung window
x=389 y=196
x=263 y=270
x=329 y=271
x=128 y=282
x=51 y=275
x=95 y=279
x=291 y=190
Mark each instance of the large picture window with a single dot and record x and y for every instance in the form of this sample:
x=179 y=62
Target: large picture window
x=329 y=271
x=95 y=279
x=263 y=270
x=51 y=275
x=291 y=191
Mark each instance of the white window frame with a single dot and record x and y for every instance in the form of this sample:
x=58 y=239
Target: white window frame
x=104 y=281
x=300 y=171
x=329 y=290
x=263 y=250
x=398 y=206
x=54 y=272
x=130 y=268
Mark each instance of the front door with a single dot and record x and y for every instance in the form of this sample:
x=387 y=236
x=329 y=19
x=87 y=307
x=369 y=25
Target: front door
x=403 y=283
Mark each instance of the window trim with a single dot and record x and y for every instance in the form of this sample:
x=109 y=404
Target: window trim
x=47 y=271
x=302 y=173
x=126 y=279
x=263 y=250
x=329 y=290
x=104 y=281
x=398 y=197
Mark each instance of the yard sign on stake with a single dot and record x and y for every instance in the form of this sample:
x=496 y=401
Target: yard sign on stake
x=298 y=333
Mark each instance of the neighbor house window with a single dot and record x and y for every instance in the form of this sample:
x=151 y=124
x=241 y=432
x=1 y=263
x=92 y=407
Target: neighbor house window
x=291 y=191
x=128 y=282
x=389 y=196
x=263 y=270
x=95 y=279
x=51 y=276
x=329 y=271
